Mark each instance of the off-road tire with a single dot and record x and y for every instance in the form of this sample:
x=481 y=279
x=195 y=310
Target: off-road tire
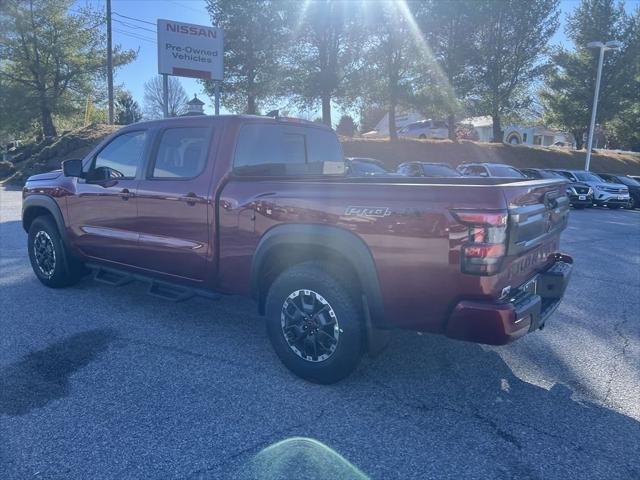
x=60 y=270
x=312 y=277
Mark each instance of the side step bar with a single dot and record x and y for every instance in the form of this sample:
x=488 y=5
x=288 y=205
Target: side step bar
x=157 y=288
x=169 y=292
x=111 y=277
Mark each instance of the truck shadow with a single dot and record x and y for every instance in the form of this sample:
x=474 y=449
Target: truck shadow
x=440 y=384
x=43 y=375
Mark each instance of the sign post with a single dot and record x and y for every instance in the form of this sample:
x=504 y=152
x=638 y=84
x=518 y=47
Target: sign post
x=189 y=50
x=217 y=95
x=165 y=95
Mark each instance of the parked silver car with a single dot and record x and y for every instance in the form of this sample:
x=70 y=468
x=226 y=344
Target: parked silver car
x=425 y=129
x=605 y=194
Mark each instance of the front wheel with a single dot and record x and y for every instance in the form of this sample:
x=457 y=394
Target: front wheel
x=613 y=207
x=314 y=324
x=49 y=259
x=632 y=203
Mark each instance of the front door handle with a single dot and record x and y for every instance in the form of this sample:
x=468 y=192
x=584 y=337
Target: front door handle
x=125 y=194
x=191 y=198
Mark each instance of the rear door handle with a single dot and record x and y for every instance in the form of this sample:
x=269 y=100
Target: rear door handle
x=125 y=194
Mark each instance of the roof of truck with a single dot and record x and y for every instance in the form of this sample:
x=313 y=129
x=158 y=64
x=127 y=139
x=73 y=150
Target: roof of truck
x=236 y=118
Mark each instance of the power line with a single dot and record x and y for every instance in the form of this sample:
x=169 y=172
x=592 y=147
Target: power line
x=180 y=4
x=133 y=18
x=136 y=27
x=133 y=35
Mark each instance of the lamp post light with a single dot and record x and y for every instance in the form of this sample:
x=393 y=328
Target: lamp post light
x=603 y=47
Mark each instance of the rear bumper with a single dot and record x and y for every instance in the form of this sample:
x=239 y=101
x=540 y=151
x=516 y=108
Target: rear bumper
x=499 y=323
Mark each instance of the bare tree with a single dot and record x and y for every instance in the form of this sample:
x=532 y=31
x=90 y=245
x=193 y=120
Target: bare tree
x=153 y=98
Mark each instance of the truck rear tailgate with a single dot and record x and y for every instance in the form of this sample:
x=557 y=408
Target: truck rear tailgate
x=538 y=212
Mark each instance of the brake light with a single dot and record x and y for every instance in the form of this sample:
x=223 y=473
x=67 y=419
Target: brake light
x=485 y=247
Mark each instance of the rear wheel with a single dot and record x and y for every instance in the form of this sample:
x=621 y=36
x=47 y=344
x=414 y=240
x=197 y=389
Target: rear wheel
x=49 y=259
x=314 y=324
x=422 y=136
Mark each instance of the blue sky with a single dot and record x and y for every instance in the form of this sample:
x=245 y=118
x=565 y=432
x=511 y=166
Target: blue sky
x=138 y=35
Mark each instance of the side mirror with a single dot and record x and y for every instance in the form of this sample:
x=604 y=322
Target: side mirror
x=72 y=168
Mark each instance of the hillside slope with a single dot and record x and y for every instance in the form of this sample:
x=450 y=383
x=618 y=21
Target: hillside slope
x=47 y=155
x=445 y=151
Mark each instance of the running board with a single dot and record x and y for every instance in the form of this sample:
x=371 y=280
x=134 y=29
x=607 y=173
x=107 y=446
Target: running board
x=157 y=288
x=169 y=292
x=112 y=277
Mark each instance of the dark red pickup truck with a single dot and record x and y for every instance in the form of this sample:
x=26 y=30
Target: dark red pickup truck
x=260 y=206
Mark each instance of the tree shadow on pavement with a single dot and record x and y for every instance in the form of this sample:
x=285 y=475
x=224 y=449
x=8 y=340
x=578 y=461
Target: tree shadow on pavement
x=43 y=375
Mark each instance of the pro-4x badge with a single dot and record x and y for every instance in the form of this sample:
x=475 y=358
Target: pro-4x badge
x=354 y=211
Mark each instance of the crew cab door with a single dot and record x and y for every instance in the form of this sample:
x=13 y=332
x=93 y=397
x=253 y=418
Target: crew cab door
x=174 y=202
x=103 y=212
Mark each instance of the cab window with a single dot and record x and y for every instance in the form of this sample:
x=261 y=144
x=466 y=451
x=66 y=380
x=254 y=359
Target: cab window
x=120 y=158
x=276 y=150
x=182 y=153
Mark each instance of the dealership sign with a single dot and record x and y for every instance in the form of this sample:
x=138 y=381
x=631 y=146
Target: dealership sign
x=188 y=50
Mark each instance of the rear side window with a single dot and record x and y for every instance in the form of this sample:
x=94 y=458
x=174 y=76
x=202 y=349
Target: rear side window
x=276 y=150
x=475 y=171
x=506 y=172
x=182 y=153
x=122 y=155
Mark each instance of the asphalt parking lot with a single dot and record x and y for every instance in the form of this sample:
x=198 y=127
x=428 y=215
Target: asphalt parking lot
x=103 y=382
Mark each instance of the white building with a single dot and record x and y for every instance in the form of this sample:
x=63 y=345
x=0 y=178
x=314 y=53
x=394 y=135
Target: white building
x=483 y=126
x=517 y=135
x=402 y=120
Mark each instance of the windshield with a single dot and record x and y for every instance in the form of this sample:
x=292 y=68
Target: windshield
x=359 y=167
x=439 y=171
x=588 y=177
x=505 y=171
x=549 y=174
x=629 y=181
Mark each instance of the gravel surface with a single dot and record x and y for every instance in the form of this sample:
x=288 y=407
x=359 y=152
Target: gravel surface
x=104 y=382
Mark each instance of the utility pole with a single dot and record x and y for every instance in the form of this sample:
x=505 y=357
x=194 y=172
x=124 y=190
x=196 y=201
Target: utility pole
x=109 y=63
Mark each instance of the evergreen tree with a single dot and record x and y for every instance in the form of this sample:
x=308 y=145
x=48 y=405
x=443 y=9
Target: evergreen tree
x=511 y=43
x=56 y=55
x=254 y=44
x=127 y=109
x=569 y=87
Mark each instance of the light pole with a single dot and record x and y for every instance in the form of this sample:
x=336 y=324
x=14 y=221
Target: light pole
x=603 y=47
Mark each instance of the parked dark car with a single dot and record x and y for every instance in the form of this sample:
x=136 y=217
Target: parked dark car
x=486 y=169
x=366 y=167
x=605 y=194
x=580 y=194
x=427 y=169
x=631 y=183
x=243 y=205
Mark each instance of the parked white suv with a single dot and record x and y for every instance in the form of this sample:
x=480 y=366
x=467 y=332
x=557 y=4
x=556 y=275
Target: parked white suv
x=425 y=129
x=605 y=194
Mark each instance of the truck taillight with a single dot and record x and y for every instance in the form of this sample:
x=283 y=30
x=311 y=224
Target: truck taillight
x=485 y=247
